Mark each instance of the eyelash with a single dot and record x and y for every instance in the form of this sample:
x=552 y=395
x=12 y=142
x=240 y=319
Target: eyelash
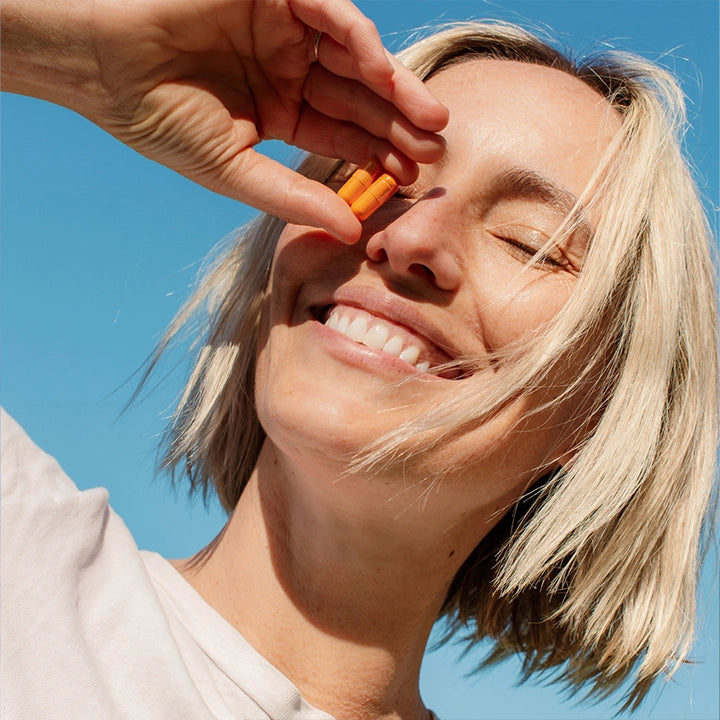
x=528 y=252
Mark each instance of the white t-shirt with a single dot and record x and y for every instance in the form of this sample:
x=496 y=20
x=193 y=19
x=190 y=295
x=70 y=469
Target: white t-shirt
x=94 y=629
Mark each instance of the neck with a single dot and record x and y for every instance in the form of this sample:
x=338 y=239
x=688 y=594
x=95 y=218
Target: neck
x=341 y=602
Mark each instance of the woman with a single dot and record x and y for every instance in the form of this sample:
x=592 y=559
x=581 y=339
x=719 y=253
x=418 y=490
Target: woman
x=570 y=353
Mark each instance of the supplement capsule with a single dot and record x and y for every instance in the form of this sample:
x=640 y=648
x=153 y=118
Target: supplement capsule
x=378 y=193
x=360 y=181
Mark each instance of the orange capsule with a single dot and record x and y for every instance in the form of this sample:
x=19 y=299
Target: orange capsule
x=377 y=194
x=360 y=181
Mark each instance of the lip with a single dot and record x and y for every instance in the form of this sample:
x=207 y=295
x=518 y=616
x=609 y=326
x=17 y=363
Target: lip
x=394 y=310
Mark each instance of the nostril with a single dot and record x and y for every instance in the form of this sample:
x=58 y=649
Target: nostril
x=422 y=271
x=407 y=252
x=419 y=270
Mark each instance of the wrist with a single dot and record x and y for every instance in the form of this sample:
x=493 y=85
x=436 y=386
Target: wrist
x=47 y=51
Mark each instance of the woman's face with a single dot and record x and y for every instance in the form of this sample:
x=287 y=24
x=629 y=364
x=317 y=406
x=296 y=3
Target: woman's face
x=440 y=272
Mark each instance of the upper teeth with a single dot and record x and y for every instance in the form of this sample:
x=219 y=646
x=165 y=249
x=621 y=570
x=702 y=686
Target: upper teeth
x=376 y=334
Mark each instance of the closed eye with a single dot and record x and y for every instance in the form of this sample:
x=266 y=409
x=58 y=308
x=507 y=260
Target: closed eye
x=530 y=246
x=530 y=254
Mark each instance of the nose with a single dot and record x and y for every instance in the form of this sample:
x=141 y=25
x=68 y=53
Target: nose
x=422 y=242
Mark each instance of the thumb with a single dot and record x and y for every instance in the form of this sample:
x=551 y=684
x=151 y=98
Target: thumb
x=270 y=186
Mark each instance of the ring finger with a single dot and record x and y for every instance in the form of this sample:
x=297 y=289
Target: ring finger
x=351 y=101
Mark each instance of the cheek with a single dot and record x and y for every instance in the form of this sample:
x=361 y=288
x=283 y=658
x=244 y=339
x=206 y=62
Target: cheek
x=511 y=311
x=296 y=261
x=263 y=370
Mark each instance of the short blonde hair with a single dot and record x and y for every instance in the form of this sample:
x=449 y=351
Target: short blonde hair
x=595 y=568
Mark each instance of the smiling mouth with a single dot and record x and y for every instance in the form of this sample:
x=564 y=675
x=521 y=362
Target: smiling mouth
x=383 y=335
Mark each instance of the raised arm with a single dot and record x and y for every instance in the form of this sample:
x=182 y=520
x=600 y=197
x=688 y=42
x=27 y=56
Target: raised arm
x=196 y=84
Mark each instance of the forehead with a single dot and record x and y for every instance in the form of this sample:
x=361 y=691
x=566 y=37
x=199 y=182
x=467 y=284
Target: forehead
x=523 y=113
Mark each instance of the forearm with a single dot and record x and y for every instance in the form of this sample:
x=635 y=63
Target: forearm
x=47 y=51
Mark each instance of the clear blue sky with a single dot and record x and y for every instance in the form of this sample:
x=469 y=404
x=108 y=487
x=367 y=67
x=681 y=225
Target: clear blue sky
x=100 y=246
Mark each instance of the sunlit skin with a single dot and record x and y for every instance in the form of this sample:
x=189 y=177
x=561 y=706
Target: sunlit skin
x=338 y=579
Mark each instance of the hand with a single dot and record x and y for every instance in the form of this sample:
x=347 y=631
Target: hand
x=195 y=84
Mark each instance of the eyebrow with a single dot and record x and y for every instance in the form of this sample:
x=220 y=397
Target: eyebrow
x=529 y=184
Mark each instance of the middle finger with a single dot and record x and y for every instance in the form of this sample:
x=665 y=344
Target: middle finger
x=406 y=91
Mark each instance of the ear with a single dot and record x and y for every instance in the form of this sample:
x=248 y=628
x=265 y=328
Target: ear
x=566 y=460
